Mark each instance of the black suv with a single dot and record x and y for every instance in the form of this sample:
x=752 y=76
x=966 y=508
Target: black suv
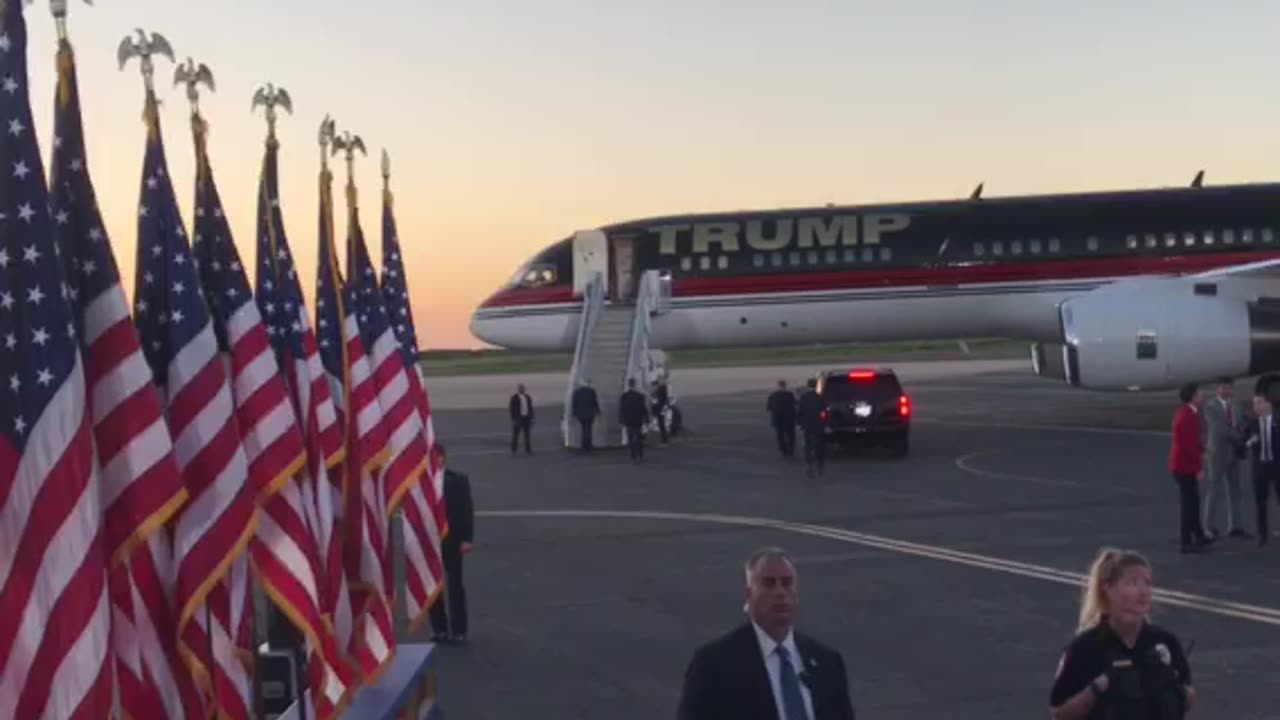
x=866 y=404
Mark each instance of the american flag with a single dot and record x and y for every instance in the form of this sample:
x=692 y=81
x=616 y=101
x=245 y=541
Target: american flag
x=365 y=550
x=214 y=528
x=395 y=293
x=312 y=595
x=141 y=482
x=55 y=627
x=404 y=479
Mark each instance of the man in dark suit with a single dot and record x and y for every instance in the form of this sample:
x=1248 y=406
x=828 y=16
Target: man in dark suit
x=633 y=414
x=811 y=415
x=1264 y=444
x=782 y=413
x=764 y=670
x=521 y=409
x=460 y=514
x=586 y=407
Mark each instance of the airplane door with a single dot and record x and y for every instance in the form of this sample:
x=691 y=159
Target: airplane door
x=590 y=255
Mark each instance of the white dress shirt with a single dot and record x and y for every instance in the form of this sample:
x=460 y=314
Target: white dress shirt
x=774 y=665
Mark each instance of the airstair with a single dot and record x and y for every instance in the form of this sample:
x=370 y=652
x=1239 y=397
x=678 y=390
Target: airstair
x=612 y=347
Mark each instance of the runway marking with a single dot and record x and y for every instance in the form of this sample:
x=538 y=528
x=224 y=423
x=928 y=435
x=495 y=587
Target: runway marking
x=1054 y=428
x=1244 y=611
x=963 y=463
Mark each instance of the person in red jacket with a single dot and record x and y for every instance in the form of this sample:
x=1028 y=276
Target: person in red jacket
x=1185 y=455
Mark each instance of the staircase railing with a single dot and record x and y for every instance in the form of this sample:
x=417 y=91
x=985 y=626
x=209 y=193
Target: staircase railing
x=649 y=303
x=592 y=305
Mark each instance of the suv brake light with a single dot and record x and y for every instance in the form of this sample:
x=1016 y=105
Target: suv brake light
x=904 y=406
x=862 y=374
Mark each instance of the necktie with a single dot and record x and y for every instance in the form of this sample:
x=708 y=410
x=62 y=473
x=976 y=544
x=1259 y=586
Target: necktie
x=1266 y=439
x=792 y=699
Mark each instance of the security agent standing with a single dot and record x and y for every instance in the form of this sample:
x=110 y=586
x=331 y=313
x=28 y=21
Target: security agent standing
x=586 y=408
x=782 y=413
x=765 y=669
x=661 y=399
x=1224 y=453
x=1264 y=450
x=457 y=542
x=633 y=414
x=810 y=413
x=521 y=409
x=1121 y=666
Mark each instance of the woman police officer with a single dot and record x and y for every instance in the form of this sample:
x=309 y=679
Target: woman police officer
x=1121 y=666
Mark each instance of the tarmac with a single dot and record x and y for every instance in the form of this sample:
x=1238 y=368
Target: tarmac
x=950 y=580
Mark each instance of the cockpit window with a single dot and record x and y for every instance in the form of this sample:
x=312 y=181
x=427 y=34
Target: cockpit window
x=537 y=275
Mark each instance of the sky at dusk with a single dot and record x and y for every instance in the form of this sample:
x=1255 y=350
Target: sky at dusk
x=512 y=124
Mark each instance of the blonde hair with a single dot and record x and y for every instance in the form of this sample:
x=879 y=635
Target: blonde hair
x=1107 y=568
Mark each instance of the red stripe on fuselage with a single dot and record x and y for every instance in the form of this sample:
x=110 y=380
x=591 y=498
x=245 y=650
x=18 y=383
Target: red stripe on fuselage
x=1007 y=272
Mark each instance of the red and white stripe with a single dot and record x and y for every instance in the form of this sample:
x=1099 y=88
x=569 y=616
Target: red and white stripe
x=365 y=548
x=142 y=489
x=214 y=528
x=322 y=499
x=404 y=476
x=55 y=642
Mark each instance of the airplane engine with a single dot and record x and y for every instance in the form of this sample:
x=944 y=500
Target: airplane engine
x=1159 y=334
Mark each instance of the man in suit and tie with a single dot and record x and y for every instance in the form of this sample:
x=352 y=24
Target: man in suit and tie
x=521 y=409
x=1264 y=443
x=460 y=514
x=633 y=415
x=811 y=414
x=1223 y=452
x=586 y=408
x=764 y=669
x=782 y=413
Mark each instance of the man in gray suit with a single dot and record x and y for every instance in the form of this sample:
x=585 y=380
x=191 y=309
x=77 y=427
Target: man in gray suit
x=1223 y=451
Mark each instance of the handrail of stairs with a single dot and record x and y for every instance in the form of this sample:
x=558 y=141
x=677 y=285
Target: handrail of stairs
x=592 y=304
x=648 y=303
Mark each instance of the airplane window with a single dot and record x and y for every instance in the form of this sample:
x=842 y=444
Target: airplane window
x=868 y=254
x=997 y=248
x=979 y=249
x=1034 y=246
x=886 y=254
x=1091 y=243
x=832 y=257
x=1247 y=236
x=537 y=276
x=1170 y=239
x=775 y=259
x=1131 y=242
x=1228 y=237
x=686 y=263
x=722 y=262
x=850 y=255
x=1188 y=239
x=1150 y=240
x=1055 y=245
x=757 y=260
x=1208 y=237
x=704 y=262
x=1015 y=247
x=813 y=257
x=795 y=258
x=1268 y=235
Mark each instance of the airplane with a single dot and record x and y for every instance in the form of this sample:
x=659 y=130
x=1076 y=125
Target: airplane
x=1113 y=291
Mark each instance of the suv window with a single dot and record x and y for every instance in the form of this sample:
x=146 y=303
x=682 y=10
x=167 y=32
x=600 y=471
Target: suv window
x=842 y=388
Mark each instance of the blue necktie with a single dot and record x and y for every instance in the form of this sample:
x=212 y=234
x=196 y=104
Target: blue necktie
x=792 y=699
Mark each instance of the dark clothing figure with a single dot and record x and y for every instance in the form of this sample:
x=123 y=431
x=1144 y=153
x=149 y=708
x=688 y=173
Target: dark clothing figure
x=1263 y=435
x=586 y=408
x=633 y=414
x=1145 y=682
x=461 y=533
x=811 y=415
x=521 y=410
x=661 y=399
x=782 y=414
x=728 y=680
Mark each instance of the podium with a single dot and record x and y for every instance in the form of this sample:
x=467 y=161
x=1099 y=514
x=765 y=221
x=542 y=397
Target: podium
x=407 y=691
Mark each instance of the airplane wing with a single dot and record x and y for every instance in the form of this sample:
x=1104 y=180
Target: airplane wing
x=1259 y=269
